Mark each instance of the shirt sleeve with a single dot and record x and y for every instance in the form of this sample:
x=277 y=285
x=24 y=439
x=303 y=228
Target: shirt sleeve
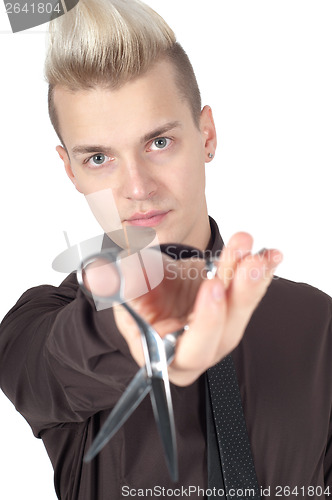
x=61 y=360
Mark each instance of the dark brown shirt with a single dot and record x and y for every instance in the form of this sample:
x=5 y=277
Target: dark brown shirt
x=64 y=366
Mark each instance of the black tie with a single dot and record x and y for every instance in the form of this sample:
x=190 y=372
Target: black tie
x=235 y=457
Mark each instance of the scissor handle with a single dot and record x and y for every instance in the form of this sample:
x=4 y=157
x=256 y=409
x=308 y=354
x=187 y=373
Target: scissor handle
x=110 y=256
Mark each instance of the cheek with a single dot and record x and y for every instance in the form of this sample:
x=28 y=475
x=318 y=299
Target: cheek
x=88 y=183
x=191 y=178
x=188 y=185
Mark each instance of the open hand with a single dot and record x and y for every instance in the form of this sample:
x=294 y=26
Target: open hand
x=217 y=311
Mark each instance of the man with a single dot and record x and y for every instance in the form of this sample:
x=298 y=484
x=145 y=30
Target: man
x=142 y=134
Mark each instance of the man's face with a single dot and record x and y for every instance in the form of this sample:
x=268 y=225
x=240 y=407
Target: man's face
x=142 y=143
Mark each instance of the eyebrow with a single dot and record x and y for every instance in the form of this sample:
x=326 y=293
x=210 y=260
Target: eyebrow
x=160 y=131
x=82 y=150
x=108 y=151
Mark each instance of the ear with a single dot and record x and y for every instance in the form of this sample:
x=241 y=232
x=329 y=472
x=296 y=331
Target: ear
x=209 y=134
x=66 y=161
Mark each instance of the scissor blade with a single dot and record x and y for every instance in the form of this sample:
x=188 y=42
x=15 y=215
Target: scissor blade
x=136 y=391
x=164 y=416
x=134 y=394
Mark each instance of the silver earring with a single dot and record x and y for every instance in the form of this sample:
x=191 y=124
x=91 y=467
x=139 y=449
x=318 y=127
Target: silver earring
x=210 y=155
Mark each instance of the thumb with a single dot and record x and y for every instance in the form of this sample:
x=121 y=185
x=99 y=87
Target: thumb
x=196 y=350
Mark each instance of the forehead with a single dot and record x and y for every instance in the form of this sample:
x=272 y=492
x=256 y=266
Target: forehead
x=134 y=109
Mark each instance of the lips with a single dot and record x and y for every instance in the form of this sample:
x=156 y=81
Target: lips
x=147 y=219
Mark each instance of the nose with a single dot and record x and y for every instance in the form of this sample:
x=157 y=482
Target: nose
x=138 y=182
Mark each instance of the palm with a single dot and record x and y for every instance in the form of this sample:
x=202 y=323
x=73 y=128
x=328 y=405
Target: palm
x=167 y=308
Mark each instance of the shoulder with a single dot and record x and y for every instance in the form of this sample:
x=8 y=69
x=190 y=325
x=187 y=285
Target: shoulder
x=291 y=327
x=67 y=289
x=291 y=310
x=290 y=295
x=44 y=298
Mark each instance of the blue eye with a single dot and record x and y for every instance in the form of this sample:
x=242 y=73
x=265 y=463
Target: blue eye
x=160 y=143
x=98 y=159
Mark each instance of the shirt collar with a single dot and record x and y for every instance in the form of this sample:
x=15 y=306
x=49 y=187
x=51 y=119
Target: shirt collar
x=177 y=250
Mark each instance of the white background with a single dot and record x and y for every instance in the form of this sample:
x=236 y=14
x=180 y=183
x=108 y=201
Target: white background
x=265 y=68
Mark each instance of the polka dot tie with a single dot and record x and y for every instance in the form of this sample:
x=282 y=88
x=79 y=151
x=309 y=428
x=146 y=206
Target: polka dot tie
x=237 y=465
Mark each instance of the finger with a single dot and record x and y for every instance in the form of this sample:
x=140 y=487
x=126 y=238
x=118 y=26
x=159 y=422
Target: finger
x=239 y=245
x=220 y=317
x=254 y=274
x=196 y=348
x=251 y=281
x=131 y=333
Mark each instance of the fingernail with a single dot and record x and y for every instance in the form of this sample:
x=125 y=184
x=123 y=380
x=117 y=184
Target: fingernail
x=218 y=291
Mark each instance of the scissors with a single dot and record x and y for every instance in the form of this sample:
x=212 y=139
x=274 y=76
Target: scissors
x=152 y=378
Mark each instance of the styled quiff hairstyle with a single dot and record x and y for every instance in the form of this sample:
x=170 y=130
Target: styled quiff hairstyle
x=109 y=43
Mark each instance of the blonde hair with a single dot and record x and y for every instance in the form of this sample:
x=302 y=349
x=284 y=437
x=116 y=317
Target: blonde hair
x=110 y=42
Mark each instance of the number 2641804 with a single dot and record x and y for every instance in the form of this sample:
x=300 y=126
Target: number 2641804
x=32 y=8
